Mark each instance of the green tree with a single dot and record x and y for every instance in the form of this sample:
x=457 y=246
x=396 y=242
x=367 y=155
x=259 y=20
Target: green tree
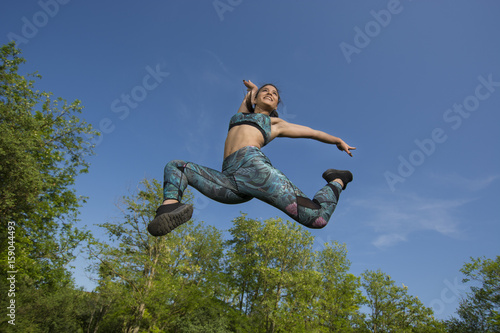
x=340 y=298
x=280 y=284
x=270 y=269
x=393 y=309
x=162 y=284
x=43 y=147
x=480 y=310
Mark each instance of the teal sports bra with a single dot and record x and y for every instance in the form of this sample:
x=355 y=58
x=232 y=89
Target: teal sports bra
x=258 y=120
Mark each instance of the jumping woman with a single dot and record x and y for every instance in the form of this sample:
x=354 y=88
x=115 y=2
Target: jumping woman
x=247 y=173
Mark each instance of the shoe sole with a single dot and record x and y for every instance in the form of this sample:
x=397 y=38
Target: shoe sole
x=328 y=175
x=165 y=223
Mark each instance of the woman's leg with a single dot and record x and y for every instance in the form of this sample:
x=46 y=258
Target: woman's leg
x=178 y=175
x=261 y=180
x=212 y=183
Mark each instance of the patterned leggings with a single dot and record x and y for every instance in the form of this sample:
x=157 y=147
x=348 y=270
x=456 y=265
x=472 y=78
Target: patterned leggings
x=247 y=174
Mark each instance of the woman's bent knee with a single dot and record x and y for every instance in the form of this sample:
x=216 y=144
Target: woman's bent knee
x=175 y=164
x=319 y=223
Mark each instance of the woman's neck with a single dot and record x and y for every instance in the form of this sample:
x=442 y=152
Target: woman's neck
x=258 y=109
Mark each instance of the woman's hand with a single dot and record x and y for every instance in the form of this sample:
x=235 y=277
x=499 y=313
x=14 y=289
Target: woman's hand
x=345 y=147
x=251 y=91
x=251 y=87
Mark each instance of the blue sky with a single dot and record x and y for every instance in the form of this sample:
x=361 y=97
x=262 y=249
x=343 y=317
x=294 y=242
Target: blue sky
x=414 y=85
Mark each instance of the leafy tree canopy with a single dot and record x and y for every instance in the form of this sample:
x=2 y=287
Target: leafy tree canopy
x=44 y=145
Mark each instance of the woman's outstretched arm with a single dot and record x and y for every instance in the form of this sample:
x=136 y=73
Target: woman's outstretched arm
x=289 y=130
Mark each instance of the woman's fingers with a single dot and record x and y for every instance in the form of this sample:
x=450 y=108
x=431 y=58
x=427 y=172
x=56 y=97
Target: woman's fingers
x=349 y=148
x=345 y=147
x=249 y=84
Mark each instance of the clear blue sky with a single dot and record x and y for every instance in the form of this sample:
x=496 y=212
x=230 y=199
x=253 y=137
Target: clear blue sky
x=414 y=85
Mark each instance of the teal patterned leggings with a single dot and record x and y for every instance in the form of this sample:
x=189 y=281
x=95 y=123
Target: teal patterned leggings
x=247 y=174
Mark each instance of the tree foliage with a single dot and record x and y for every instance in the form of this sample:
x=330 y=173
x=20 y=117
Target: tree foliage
x=43 y=147
x=393 y=309
x=480 y=310
x=264 y=276
x=157 y=282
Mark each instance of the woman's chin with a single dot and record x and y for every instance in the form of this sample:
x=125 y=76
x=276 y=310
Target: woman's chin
x=268 y=107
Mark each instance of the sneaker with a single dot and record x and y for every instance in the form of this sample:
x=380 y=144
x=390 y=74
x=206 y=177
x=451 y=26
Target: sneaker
x=344 y=175
x=169 y=217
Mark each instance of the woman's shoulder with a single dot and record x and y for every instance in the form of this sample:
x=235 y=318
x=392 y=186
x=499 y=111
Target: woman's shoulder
x=277 y=121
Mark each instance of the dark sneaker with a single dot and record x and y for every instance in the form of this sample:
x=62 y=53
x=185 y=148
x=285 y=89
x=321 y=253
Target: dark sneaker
x=344 y=175
x=169 y=217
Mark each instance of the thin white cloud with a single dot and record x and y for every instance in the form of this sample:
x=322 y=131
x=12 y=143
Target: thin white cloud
x=395 y=217
x=470 y=184
x=387 y=240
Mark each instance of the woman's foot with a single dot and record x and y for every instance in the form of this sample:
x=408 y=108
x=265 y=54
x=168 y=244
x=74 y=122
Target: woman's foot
x=168 y=217
x=345 y=176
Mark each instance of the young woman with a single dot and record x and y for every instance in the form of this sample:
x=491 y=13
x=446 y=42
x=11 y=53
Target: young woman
x=247 y=173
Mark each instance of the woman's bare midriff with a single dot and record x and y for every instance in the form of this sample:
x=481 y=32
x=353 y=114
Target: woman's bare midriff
x=242 y=136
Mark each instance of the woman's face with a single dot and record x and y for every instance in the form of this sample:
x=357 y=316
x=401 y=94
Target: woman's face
x=267 y=98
